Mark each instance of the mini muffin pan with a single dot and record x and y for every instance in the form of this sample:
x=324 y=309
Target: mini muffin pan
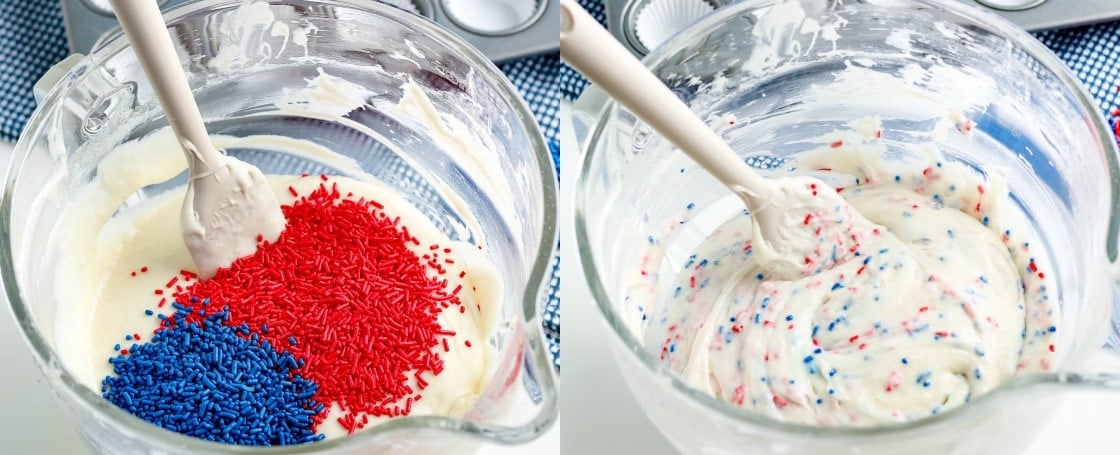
x=501 y=29
x=640 y=23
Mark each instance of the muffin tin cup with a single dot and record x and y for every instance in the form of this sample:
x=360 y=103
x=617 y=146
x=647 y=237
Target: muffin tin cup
x=476 y=22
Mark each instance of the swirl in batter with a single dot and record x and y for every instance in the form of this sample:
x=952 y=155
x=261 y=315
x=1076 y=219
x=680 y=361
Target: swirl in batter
x=935 y=301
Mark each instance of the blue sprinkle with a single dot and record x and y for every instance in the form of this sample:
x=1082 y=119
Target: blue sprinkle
x=1052 y=329
x=951 y=235
x=149 y=312
x=898 y=178
x=808 y=359
x=128 y=337
x=923 y=378
x=820 y=400
x=292 y=340
x=837 y=285
x=977 y=373
x=985 y=220
x=983 y=280
x=226 y=388
x=691 y=205
x=905 y=362
x=117 y=347
x=831 y=373
x=789 y=317
x=759 y=276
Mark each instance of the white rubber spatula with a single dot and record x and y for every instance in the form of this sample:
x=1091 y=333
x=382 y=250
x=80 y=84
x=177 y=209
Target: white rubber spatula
x=786 y=235
x=229 y=203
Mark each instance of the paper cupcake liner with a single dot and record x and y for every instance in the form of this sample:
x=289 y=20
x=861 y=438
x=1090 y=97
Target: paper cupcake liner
x=655 y=22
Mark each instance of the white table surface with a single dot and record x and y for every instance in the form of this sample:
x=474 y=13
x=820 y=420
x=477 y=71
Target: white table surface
x=600 y=416
x=31 y=421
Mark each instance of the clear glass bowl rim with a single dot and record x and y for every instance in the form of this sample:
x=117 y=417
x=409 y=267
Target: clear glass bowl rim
x=47 y=358
x=604 y=106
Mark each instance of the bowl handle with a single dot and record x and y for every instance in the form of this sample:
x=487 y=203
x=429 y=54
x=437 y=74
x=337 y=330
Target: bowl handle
x=53 y=75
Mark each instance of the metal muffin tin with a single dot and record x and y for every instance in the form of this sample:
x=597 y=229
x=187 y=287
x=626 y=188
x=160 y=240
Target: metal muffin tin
x=88 y=21
x=1032 y=15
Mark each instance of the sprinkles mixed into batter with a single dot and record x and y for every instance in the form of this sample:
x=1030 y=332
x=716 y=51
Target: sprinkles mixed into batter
x=937 y=300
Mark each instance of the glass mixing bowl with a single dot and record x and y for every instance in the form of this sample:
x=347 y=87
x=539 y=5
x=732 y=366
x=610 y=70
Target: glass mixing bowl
x=774 y=80
x=252 y=67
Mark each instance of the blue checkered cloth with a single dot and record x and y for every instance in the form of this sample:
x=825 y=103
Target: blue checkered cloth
x=1093 y=53
x=32 y=38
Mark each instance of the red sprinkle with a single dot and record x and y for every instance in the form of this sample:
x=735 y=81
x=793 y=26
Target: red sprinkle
x=343 y=280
